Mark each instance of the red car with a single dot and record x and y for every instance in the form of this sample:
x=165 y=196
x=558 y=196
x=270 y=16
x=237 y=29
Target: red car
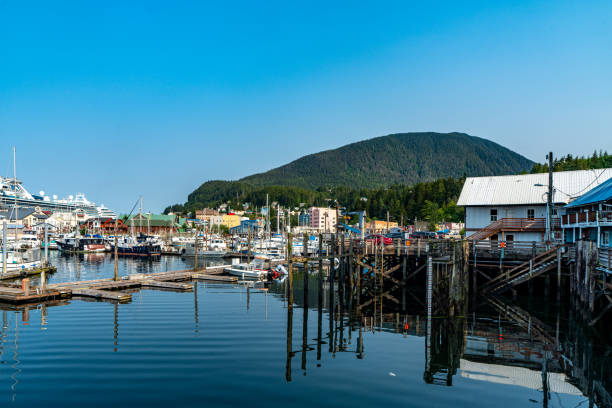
x=376 y=238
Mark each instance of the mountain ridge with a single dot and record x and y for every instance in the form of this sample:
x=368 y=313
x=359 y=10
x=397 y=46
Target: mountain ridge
x=404 y=158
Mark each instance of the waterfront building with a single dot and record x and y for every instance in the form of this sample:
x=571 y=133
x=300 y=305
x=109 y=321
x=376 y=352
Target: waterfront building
x=209 y=216
x=379 y=226
x=245 y=226
x=25 y=217
x=322 y=219
x=589 y=217
x=231 y=220
x=152 y=223
x=304 y=218
x=513 y=207
x=104 y=225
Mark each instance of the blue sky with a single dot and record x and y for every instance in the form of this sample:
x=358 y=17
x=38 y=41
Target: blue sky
x=152 y=98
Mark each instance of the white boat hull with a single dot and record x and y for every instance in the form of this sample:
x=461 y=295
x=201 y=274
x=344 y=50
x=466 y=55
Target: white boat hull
x=256 y=274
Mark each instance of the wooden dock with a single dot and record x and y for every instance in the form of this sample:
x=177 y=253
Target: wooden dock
x=108 y=289
x=24 y=273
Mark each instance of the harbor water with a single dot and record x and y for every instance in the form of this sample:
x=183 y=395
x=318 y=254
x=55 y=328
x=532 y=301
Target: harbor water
x=234 y=344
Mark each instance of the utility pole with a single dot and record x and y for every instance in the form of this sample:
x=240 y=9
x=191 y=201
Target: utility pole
x=549 y=203
x=387 y=221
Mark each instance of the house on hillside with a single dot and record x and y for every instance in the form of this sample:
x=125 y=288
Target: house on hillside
x=513 y=208
x=589 y=217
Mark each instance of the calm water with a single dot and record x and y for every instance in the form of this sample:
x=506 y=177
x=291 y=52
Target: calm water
x=226 y=345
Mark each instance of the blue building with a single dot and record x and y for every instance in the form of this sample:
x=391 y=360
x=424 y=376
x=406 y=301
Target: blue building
x=304 y=218
x=589 y=217
x=246 y=226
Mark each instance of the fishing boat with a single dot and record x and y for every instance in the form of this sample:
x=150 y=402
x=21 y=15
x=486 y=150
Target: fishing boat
x=87 y=243
x=142 y=245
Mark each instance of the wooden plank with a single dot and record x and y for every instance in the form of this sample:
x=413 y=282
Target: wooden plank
x=115 y=285
x=217 y=278
x=150 y=283
x=102 y=294
x=22 y=273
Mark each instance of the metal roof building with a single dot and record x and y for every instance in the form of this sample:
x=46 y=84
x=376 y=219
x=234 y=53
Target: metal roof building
x=530 y=189
x=599 y=194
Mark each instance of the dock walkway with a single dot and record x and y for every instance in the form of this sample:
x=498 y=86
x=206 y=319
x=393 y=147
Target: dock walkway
x=110 y=289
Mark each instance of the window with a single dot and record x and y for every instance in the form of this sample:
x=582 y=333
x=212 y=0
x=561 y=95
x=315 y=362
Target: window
x=493 y=214
x=605 y=239
x=530 y=213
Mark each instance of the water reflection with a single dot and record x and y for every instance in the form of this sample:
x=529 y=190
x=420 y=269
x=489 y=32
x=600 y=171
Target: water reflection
x=552 y=353
x=497 y=342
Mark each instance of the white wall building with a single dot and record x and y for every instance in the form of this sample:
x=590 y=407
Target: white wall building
x=322 y=219
x=513 y=208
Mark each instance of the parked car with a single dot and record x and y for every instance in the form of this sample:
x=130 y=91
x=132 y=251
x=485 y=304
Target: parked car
x=423 y=235
x=395 y=235
x=377 y=238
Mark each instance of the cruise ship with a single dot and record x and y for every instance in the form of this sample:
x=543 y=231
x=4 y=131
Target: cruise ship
x=12 y=192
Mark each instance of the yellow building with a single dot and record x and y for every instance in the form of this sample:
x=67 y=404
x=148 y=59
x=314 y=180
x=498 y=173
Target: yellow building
x=231 y=220
x=378 y=227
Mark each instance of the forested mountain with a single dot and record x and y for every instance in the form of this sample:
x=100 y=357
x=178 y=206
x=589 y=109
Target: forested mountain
x=402 y=158
x=411 y=175
x=432 y=201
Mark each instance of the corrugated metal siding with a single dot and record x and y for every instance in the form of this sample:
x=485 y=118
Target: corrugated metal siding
x=522 y=190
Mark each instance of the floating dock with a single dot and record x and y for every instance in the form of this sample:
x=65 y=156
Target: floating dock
x=108 y=289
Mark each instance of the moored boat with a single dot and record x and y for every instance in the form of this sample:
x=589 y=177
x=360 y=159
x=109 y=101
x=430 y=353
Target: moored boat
x=141 y=246
x=88 y=243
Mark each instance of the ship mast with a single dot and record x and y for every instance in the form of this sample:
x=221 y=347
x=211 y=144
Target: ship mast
x=15 y=191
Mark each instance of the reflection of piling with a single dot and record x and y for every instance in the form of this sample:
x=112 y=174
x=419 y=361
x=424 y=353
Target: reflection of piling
x=305 y=307
x=116 y=329
x=289 y=308
x=320 y=299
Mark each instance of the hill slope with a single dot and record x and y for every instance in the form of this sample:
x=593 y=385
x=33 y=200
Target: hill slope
x=405 y=158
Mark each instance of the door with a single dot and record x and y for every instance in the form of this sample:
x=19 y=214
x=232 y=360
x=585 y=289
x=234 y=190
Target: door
x=509 y=240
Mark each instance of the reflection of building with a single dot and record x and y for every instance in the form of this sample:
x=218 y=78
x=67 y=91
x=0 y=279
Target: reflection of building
x=514 y=375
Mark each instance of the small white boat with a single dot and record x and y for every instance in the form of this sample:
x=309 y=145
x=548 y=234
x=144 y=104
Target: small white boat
x=29 y=241
x=18 y=263
x=254 y=270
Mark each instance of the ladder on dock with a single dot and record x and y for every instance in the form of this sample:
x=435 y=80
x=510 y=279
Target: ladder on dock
x=533 y=268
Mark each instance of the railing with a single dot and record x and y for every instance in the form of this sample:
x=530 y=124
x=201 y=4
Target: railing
x=589 y=217
x=530 y=269
x=521 y=246
x=514 y=224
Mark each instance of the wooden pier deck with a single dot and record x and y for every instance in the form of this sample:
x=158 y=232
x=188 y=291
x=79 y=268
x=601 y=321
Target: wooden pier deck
x=109 y=289
x=24 y=273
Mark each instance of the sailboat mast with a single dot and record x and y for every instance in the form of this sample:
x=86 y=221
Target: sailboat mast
x=15 y=190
